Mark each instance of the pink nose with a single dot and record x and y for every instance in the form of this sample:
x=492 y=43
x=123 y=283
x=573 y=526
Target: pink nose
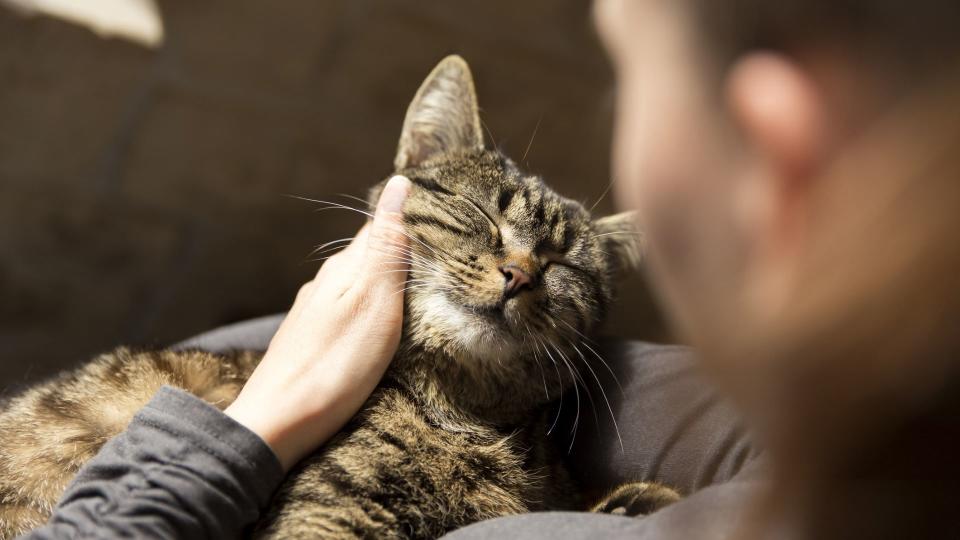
x=516 y=279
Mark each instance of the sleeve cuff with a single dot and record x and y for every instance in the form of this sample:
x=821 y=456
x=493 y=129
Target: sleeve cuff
x=175 y=409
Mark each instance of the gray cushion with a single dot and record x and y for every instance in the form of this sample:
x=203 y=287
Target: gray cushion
x=253 y=334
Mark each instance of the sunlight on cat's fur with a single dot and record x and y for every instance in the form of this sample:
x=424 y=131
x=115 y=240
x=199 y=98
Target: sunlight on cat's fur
x=506 y=281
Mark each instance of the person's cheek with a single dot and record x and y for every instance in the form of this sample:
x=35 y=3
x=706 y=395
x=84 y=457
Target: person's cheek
x=656 y=160
x=648 y=157
x=628 y=146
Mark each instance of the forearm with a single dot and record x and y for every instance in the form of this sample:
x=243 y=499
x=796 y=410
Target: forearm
x=182 y=469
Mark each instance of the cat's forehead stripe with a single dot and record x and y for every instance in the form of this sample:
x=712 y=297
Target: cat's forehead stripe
x=506 y=197
x=414 y=218
x=430 y=184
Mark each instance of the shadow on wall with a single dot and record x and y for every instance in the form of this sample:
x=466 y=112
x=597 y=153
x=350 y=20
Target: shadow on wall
x=141 y=190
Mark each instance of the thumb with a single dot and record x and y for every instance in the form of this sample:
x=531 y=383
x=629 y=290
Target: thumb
x=387 y=245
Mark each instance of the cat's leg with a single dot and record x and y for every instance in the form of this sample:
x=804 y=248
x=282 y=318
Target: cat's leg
x=52 y=429
x=636 y=499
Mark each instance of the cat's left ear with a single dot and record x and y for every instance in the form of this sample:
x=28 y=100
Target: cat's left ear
x=620 y=239
x=443 y=117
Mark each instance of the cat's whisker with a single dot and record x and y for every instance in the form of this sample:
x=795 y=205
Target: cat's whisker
x=559 y=380
x=400 y=255
x=537 y=358
x=355 y=198
x=392 y=271
x=409 y=250
x=337 y=206
x=416 y=261
x=433 y=250
x=416 y=281
x=611 y=233
x=331 y=250
x=605 y=364
x=490 y=133
x=583 y=382
x=604 y=194
x=403 y=250
x=321 y=247
x=585 y=342
x=322 y=259
x=424 y=285
x=532 y=137
x=330 y=205
x=414 y=266
x=576 y=421
x=603 y=394
x=405 y=289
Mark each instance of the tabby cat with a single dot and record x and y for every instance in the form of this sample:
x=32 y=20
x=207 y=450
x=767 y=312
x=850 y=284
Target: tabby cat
x=507 y=277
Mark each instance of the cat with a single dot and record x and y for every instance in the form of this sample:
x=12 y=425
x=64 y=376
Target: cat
x=506 y=278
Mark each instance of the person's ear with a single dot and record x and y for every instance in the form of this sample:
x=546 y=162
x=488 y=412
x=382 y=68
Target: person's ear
x=776 y=105
x=782 y=118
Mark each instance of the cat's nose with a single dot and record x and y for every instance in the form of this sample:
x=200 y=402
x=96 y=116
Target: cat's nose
x=516 y=280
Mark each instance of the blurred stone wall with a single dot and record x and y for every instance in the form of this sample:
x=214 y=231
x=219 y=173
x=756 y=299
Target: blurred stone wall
x=142 y=191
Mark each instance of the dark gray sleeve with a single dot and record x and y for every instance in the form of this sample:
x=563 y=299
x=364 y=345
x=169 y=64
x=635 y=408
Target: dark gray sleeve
x=181 y=469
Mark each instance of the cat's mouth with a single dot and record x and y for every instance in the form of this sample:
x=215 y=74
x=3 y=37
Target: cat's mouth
x=495 y=312
x=506 y=313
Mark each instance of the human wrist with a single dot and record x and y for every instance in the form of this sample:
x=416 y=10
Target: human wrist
x=290 y=424
x=273 y=427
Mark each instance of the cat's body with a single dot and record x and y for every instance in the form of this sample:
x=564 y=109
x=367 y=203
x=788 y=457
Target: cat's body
x=396 y=470
x=50 y=431
x=393 y=472
x=506 y=278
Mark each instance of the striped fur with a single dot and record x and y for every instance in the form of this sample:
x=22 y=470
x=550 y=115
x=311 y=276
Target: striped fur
x=456 y=432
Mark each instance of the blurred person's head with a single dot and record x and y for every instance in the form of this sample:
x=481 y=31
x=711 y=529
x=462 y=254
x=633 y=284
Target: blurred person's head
x=796 y=171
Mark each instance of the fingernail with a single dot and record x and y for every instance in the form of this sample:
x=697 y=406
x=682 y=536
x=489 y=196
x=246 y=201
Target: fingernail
x=394 y=193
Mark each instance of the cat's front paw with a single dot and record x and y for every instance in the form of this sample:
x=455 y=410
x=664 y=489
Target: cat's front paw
x=636 y=499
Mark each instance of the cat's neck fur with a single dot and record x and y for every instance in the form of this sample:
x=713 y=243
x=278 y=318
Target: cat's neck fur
x=458 y=395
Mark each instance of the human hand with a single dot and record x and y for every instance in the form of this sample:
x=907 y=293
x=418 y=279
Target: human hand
x=335 y=343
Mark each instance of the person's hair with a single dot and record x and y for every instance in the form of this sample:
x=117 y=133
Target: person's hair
x=865 y=363
x=904 y=36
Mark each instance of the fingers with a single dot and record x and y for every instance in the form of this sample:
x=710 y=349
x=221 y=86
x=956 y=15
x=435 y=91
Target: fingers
x=373 y=260
x=387 y=243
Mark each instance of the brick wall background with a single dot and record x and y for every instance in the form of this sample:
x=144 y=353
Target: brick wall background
x=141 y=191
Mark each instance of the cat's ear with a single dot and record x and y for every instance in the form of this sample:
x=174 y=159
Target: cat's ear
x=443 y=116
x=620 y=239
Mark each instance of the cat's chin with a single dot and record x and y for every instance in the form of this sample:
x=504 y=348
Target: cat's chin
x=482 y=333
